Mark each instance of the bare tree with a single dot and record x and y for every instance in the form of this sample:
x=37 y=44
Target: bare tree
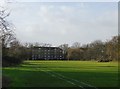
x=76 y=54
x=28 y=45
x=76 y=45
x=13 y=54
x=45 y=45
x=6 y=29
x=112 y=48
x=36 y=44
x=64 y=47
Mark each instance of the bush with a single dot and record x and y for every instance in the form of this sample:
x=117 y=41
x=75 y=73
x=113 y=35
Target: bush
x=10 y=61
x=104 y=60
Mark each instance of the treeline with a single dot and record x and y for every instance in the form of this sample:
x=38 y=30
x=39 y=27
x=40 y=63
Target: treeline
x=97 y=50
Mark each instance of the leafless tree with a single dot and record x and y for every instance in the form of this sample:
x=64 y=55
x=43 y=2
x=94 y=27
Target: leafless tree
x=64 y=47
x=6 y=29
x=45 y=45
x=76 y=45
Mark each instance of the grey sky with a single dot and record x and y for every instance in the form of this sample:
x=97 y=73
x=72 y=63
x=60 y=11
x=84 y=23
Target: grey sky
x=59 y=23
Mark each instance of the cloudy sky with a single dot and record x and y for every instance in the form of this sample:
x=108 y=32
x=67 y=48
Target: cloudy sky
x=64 y=22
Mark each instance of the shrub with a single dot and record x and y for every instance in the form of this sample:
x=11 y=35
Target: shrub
x=10 y=61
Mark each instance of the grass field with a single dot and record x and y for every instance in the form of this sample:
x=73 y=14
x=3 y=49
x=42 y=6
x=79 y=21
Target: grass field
x=63 y=74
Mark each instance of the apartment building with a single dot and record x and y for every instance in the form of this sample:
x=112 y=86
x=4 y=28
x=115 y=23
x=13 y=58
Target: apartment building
x=47 y=53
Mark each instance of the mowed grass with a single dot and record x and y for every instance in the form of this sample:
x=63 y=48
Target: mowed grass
x=63 y=74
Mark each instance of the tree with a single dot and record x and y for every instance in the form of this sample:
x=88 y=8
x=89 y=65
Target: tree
x=64 y=47
x=11 y=51
x=27 y=53
x=6 y=29
x=37 y=44
x=112 y=48
x=75 y=54
x=96 y=50
x=76 y=45
x=45 y=45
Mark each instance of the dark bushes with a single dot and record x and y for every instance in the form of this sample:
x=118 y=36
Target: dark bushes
x=104 y=60
x=10 y=61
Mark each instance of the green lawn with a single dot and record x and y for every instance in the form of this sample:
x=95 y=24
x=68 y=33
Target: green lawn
x=63 y=74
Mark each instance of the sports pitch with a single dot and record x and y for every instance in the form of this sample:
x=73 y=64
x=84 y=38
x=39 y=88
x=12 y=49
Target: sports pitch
x=63 y=74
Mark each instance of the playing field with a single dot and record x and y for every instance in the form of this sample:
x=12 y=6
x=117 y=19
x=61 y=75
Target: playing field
x=64 y=74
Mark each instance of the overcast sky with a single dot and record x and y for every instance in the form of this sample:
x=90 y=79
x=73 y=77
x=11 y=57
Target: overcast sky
x=64 y=22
